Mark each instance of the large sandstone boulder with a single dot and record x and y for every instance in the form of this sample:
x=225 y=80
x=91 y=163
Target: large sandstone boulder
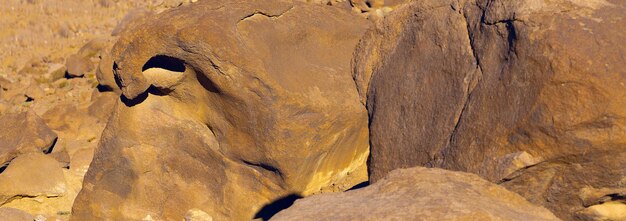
x=419 y=194
x=530 y=94
x=226 y=107
x=23 y=133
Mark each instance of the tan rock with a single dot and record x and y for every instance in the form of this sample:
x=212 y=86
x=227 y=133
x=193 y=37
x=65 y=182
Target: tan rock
x=104 y=73
x=81 y=63
x=11 y=214
x=81 y=159
x=250 y=98
x=422 y=194
x=605 y=211
x=23 y=133
x=197 y=215
x=55 y=72
x=77 y=65
x=74 y=122
x=31 y=175
x=469 y=86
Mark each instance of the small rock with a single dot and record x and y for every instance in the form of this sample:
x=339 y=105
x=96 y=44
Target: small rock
x=77 y=65
x=55 y=72
x=34 y=92
x=510 y=163
x=104 y=73
x=23 y=133
x=11 y=214
x=62 y=157
x=613 y=210
x=40 y=218
x=33 y=174
x=197 y=215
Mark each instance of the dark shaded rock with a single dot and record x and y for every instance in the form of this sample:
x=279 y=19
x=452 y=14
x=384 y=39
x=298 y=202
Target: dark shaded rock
x=496 y=87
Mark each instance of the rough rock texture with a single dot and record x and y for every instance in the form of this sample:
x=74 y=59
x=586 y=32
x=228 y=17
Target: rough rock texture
x=422 y=194
x=530 y=94
x=227 y=106
x=23 y=133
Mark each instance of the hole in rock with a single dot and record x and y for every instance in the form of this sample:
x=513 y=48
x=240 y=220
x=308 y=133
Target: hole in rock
x=103 y=88
x=3 y=167
x=118 y=81
x=206 y=83
x=263 y=166
x=49 y=150
x=273 y=208
x=165 y=62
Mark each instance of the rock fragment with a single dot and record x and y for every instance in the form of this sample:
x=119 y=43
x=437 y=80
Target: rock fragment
x=23 y=133
x=31 y=175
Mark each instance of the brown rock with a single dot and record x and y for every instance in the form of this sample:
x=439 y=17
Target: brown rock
x=55 y=72
x=254 y=99
x=11 y=214
x=77 y=65
x=419 y=194
x=34 y=91
x=31 y=175
x=495 y=87
x=104 y=73
x=62 y=157
x=23 y=133
x=73 y=121
x=80 y=63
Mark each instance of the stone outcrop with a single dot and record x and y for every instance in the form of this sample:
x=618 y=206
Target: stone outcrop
x=227 y=106
x=419 y=193
x=529 y=94
x=23 y=133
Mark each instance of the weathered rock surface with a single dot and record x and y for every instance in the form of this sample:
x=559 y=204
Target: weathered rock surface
x=227 y=106
x=422 y=194
x=527 y=93
x=23 y=133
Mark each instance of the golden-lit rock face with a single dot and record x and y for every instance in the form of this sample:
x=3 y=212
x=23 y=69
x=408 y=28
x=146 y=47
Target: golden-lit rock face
x=227 y=106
